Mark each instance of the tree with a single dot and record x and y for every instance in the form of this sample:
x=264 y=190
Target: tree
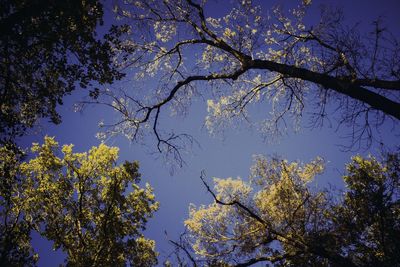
x=46 y=49
x=15 y=246
x=369 y=217
x=327 y=70
x=278 y=218
x=89 y=207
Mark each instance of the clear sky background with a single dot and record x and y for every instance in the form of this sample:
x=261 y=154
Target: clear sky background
x=224 y=156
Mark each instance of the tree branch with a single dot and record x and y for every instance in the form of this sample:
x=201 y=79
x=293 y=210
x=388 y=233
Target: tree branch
x=344 y=87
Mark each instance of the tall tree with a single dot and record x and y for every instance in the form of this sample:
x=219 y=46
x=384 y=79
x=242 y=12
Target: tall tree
x=247 y=56
x=47 y=48
x=91 y=208
x=278 y=218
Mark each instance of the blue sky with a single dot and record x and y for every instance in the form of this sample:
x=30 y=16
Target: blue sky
x=224 y=156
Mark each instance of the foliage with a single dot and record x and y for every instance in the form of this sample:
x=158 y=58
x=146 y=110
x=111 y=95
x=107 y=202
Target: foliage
x=46 y=47
x=15 y=247
x=249 y=56
x=370 y=214
x=89 y=207
x=278 y=218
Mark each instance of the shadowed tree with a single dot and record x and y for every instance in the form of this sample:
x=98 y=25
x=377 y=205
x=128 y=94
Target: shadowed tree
x=47 y=48
x=328 y=70
x=91 y=208
x=279 y=219
x=15 y=247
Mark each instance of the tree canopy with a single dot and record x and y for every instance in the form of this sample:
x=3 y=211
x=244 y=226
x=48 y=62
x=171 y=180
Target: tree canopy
x=87 y=206
x=279 y=217
x=329 y=71
x=47 y=48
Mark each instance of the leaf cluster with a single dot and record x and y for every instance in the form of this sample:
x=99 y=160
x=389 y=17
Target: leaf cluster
x=92 y=209
x=47 y=49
